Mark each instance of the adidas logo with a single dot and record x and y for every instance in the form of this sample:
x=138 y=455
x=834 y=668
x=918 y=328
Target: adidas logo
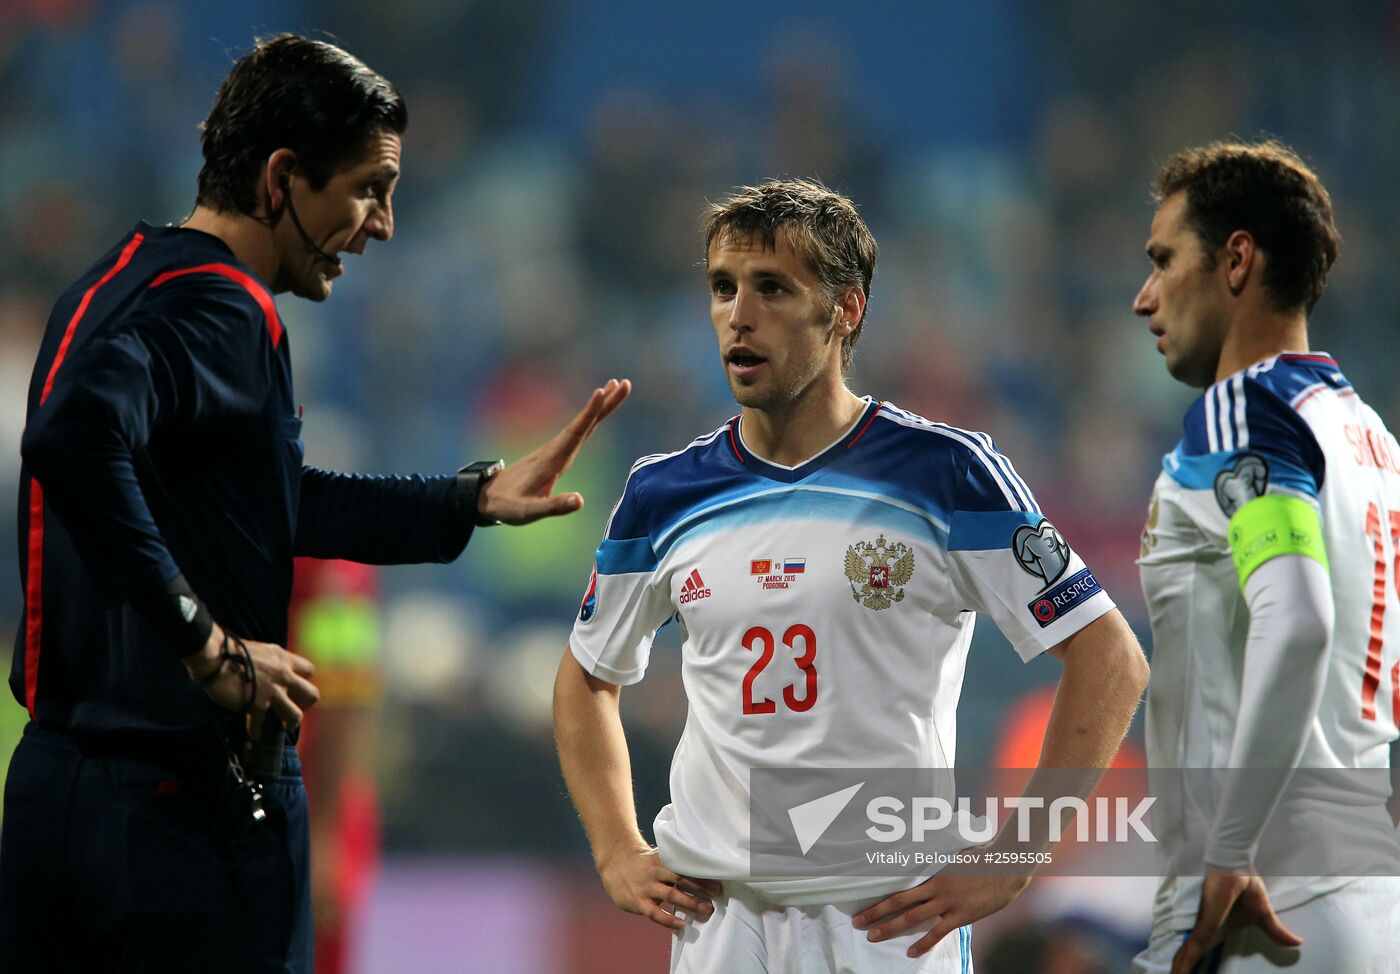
x=694 y=588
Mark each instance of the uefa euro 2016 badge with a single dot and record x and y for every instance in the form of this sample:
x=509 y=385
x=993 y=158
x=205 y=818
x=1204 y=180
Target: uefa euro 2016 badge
x=589 y=608
x=878 y=572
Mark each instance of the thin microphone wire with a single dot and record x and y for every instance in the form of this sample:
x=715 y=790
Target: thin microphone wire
x=306 y=238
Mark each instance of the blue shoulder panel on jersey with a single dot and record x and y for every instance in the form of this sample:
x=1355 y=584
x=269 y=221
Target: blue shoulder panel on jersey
x=987 y=530
x=901 y=467
x=662 y=490
x=992 y=485
x=910 y=466
x=1246 y=413
x=940 y=467
x=628 y=520
x=1293 y=374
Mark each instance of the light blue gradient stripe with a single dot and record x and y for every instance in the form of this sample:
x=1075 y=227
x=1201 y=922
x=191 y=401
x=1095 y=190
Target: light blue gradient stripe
x=987 y=530
x=790 y=502
x=965 y=948
x=625 y=557
x=1199 y=472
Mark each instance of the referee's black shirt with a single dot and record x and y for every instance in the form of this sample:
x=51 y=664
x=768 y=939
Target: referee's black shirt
x=162 y=438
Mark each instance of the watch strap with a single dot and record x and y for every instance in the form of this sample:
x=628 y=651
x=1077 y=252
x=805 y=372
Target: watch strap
x=470 y=480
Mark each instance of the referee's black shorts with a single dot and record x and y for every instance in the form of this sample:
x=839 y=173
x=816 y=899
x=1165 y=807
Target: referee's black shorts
x=118 y=863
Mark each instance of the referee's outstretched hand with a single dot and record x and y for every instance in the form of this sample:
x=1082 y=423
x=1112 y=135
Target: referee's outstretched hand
x=279 y=681
x=521 y=493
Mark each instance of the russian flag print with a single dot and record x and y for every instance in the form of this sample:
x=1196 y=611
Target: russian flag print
x=794 y=566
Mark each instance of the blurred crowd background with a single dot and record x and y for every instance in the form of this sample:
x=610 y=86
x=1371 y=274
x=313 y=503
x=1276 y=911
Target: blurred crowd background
x=557 y=160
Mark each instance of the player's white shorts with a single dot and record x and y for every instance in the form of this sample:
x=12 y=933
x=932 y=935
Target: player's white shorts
x=747 y=935
x=1355 y=930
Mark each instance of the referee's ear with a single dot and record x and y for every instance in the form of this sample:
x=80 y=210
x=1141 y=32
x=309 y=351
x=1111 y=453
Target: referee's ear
x=277 y=179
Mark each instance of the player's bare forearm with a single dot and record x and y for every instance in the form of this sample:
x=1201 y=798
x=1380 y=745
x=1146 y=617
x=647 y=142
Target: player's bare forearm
x=594 y=758
x=598 y=772
x=1105 y=674
x=1103 y=681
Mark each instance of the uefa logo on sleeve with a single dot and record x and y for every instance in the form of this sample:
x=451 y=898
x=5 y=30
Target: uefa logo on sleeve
x=1044 y=611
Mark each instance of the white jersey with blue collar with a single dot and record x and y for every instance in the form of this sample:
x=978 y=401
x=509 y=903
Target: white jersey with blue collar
x=1292 y=425
x=826 y=611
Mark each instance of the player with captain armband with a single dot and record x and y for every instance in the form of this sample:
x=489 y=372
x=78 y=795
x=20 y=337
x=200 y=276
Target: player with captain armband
x=1268 y=562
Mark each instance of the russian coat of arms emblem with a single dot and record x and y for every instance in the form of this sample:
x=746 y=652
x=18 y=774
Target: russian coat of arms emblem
x=878 y=571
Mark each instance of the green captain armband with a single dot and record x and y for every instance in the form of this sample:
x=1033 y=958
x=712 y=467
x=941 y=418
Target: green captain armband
x=1273 y=525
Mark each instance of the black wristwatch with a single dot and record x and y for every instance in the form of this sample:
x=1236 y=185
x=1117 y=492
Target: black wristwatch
x=470 y=480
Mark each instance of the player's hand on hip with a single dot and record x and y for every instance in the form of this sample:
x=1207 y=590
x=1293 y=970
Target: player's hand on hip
x=522 y=492
x=1230 y=903
x=949 y=901
x=279 y=682
x=638 y=883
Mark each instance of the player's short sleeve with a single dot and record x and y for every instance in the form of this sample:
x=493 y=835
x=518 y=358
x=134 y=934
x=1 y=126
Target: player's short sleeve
x=1009 y=562
x=1242 y=441
x=626 y=601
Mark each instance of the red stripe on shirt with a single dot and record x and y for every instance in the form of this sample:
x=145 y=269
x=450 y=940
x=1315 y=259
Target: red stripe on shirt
x=34 y=578
x=34 y=595
x=249 y=284
x=867 y=425
x=732 y=442
x=122 y=261
x=1340 y=393
x=1296 y=356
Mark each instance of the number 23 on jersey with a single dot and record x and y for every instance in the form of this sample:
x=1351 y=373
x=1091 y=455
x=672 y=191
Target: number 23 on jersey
x=799 y=640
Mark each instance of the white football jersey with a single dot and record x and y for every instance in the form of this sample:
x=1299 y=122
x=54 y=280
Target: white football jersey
x=826 y=611
x=1287 y=425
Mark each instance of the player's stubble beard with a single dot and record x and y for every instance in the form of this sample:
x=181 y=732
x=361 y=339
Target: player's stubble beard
x=803 y=368
x=1194 y=358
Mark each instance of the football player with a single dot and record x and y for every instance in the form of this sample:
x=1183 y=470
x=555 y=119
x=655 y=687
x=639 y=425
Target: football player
x=1267 y=565
x=825 y=555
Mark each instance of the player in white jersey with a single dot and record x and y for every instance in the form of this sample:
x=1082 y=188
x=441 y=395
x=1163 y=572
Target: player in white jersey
x=824 y=555
x=1267 y=565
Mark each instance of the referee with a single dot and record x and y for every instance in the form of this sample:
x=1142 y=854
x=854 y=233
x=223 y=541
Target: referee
x=153 y=820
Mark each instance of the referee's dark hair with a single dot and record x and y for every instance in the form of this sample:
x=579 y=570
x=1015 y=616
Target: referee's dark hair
x=295 y=93
x=1266 y=190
